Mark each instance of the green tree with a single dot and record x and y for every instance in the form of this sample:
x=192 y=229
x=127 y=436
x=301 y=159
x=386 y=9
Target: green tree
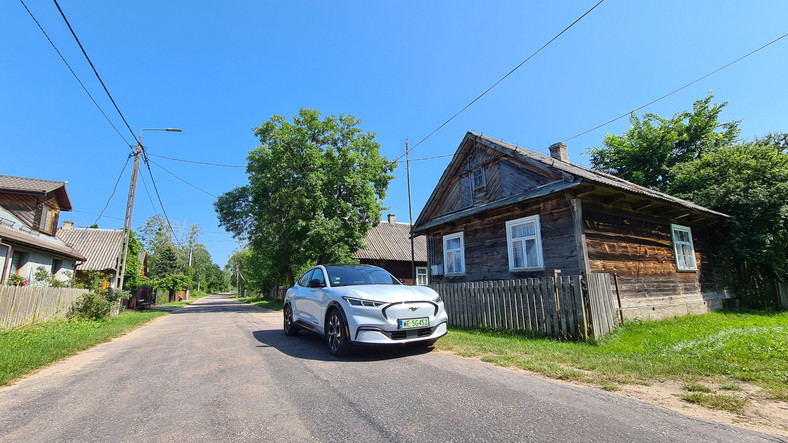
x=166 y=263
x=749 y=182
x=132 y=278
x=647 y=153
x=314 y=192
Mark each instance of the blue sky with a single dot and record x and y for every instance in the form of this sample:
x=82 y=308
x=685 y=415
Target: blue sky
x=217 y=69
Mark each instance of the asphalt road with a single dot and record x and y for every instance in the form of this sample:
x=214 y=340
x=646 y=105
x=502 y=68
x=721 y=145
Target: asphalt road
x=220 y=370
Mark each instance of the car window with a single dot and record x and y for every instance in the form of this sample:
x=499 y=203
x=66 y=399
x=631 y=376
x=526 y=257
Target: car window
x=318 y=275
x=361 y=275
x=305 y=278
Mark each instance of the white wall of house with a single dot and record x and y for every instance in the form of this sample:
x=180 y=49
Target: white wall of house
x=3 y=252
x=38 y=259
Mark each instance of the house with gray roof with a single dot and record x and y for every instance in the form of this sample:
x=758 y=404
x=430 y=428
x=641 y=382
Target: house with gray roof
x=500 y=212
x=101 y=248
x=388 y=245
x=29 y=213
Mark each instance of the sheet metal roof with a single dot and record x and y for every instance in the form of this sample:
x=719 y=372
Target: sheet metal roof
x=101 y=247
x=36 y=186
x=13 y=230
x=391 y=241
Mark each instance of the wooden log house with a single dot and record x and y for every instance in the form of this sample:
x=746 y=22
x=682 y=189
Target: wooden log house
x=500 y=212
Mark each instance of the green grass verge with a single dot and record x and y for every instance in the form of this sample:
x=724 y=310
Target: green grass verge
x=720 y=347
x=274 y=305
x=728 y=403
x=27 y=348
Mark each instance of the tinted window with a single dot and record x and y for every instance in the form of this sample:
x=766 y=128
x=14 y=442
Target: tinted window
x=359 y=275
x=305 y=278
x=318 y=275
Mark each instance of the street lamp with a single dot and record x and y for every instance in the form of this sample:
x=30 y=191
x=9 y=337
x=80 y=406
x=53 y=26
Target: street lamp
x=130 y=205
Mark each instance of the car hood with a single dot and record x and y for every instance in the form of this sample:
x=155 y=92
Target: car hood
x=387 y=293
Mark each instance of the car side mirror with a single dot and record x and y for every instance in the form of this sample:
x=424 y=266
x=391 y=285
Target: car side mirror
x=315 y=283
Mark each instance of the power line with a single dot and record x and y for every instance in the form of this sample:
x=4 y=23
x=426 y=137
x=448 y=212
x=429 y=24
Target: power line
x=156 y=189
x=502 y=79
x=172 y=174
x=133 y=134
x=82 y=237
x=74 y=73
x=677 y=90
x=196 y=162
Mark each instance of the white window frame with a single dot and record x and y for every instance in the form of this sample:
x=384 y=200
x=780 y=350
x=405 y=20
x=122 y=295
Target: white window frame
x=422 y=277
x=537 y=236
x=678 y=244
x=461 y=251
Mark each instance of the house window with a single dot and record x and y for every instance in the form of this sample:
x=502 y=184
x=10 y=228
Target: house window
x=478 y=179
x=57 y=265
x=47 y=216
x=525 y=243
x=18 y=261
x=454 y=254
x=421 y=276
x=683 y=248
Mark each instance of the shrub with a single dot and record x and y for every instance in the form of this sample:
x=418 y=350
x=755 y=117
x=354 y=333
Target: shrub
x=91 y=306
x=15 y=280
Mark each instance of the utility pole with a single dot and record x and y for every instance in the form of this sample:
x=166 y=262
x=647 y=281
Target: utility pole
x=130 y=207
x=410 y=216
x=129 y=211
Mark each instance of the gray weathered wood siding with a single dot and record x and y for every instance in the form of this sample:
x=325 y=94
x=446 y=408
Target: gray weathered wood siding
x=486 y=250
x=639 y=252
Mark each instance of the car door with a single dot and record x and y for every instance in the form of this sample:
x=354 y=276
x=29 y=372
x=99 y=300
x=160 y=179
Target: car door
x=300 y=299
x=316 y=297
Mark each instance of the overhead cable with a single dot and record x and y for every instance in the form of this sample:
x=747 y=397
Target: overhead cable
x=502 y=79
x=133 y=134
x=74 y=73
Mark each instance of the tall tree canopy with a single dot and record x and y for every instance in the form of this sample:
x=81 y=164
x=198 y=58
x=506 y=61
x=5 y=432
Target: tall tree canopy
x=647 y=153
x=315 y=189
x=749 y=182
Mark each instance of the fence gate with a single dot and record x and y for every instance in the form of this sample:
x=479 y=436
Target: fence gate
x=602 y=304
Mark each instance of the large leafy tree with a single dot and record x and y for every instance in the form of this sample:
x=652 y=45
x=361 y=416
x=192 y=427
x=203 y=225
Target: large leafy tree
x=647 y=153
x=315 y=187
x=749 y=182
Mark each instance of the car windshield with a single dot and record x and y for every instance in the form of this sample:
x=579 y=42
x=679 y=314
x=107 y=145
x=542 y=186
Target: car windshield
x=359 y=275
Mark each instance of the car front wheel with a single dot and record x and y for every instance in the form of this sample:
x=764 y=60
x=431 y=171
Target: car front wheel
x=289 y=327
x=336 y=333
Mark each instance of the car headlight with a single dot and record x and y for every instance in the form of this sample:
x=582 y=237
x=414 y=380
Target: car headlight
x=353 y=301
x=437 y=299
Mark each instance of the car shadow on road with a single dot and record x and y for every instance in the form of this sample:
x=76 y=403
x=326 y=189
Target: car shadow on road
x=310 y=346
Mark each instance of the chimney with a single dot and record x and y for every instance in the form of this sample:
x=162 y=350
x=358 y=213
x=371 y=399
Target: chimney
x=558 y=152
x=67 y=224
x=392 y=218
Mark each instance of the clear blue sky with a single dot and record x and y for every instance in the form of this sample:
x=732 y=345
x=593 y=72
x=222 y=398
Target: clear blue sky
x=217 y=69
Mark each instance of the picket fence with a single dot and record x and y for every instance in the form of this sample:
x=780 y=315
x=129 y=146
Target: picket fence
x=566 y=307
x=20 y=305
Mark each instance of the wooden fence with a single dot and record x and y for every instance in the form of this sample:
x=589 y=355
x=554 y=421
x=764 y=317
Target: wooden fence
x=565 y=307
x=21 y=305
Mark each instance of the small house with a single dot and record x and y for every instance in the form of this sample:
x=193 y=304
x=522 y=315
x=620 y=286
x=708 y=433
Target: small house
x=388 y=245
x=29 y=213
x=101 y=248
x=500 y=212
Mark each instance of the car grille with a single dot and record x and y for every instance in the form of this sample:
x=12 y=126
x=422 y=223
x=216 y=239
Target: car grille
x=411 y=333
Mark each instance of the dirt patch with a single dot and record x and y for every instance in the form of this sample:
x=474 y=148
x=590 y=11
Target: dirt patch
x=761 y=413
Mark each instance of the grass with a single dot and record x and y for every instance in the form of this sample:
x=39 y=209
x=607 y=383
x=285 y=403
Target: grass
x=266 y=303
x=27 y=348
x=728 y=403
x=724 y=348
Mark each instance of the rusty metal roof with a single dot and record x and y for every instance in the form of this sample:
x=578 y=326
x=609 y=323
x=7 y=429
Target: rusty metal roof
x=13 y=230
x=24 y=185
x=391 y=241
x=101 y=247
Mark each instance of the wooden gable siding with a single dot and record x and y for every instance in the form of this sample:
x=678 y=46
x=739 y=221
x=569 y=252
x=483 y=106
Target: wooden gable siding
x=486 y=250
x=639 y=252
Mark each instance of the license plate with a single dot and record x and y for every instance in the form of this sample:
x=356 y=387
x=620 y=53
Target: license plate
x=414 y=323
